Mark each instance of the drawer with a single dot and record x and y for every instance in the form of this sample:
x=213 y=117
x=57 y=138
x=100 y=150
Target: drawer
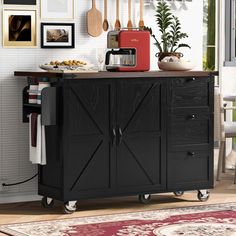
x=189 y=92
x=189 y=168
x=190 y=127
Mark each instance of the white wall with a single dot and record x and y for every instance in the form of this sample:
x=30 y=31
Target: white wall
x=192 y=24
x=14 y=164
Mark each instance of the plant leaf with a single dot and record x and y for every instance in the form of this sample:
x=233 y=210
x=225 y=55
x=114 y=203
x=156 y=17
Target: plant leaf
x=170 y=28
x=182 y=45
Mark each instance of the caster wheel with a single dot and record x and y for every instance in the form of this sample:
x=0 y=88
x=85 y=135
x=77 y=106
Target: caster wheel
x=179 y=193
x=203 y=197
x=47 y=202
x=144 y=198
x=69 y=208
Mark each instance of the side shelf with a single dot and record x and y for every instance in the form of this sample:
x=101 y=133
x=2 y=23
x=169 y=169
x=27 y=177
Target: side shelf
x=28 y=108
x=48 y=108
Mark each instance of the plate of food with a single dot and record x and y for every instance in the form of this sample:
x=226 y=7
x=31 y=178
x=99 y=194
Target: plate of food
x=68 y=66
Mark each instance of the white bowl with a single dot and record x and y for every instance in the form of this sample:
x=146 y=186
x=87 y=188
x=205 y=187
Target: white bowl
x=182 y=65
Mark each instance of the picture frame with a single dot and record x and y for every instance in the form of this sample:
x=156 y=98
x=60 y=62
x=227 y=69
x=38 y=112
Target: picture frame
x=57 y=9
x=20 y=2
x=57 y=35
x=19 y=28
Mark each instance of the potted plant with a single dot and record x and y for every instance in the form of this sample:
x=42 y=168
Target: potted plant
x=170 y=29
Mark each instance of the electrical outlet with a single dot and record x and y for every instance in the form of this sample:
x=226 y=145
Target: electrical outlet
x=3 y=188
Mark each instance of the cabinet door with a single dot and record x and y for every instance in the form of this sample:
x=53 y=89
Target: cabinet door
x=87 y=156
x=141 y=129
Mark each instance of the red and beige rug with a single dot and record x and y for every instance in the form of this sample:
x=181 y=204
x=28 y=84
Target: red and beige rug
x=217 y=220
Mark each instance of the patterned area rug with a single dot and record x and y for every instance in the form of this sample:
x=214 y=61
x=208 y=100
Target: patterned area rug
x=217 y=220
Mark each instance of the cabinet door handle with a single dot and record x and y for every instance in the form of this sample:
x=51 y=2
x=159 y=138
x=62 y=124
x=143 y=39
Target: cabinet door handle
x=191 y=154
x=120 y=136
x=113 y=136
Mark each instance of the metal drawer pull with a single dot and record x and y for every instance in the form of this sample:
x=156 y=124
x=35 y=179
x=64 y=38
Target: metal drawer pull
x=191 y=79
x=192 y=117
x=120 y=136
x=191 y=154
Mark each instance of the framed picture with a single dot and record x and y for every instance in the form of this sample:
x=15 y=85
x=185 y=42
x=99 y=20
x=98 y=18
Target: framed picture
x=19 y=28
x=20 y=2
x=57 y=35
x=57 y=9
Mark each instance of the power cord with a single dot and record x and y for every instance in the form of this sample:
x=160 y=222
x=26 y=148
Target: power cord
x=22 y=182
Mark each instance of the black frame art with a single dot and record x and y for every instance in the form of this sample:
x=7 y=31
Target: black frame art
x=57 y=35
x=20 y=2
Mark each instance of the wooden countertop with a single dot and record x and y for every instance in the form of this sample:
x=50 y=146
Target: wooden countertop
x=103 y=75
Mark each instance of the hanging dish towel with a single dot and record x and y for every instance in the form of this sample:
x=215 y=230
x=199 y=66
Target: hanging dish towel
x=33 y=126
x=37 y=152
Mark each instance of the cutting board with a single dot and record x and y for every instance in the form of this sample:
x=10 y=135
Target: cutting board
x=94 y=21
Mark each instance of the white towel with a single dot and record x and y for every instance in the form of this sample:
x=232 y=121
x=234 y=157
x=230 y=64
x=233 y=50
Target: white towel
x=38 y=154
x=43 y=138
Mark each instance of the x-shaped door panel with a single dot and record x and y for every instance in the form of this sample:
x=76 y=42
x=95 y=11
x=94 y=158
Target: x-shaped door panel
x=139 y=119
x=87 y=163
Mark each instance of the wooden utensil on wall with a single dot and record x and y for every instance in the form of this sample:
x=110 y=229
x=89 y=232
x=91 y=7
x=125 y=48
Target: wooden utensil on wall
x=105 y=22
x=117 y=24
x=141 y=21
x=129 y=24
x=94 y=21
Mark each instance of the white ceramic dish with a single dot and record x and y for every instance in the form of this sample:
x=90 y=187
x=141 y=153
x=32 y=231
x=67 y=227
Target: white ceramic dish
x=51 y=67
x=82 y=68
x=176 y=66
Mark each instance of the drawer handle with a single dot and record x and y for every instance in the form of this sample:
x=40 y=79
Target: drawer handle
x=191 y=79
x=192 y=117
x=191 y=154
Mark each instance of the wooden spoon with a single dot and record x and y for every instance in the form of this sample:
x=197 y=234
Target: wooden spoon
x=141 y=22
x=117 y=24
x=129 y=24
x=105 y=22
x=94 y=21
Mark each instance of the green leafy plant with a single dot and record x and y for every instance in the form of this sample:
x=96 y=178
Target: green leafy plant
x=170 y=29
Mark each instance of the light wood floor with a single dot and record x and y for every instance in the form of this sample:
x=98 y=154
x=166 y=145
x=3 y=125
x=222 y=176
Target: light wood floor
x=225 y=191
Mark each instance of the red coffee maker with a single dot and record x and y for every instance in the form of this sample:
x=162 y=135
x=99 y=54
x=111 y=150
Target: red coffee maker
x=130 y=50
